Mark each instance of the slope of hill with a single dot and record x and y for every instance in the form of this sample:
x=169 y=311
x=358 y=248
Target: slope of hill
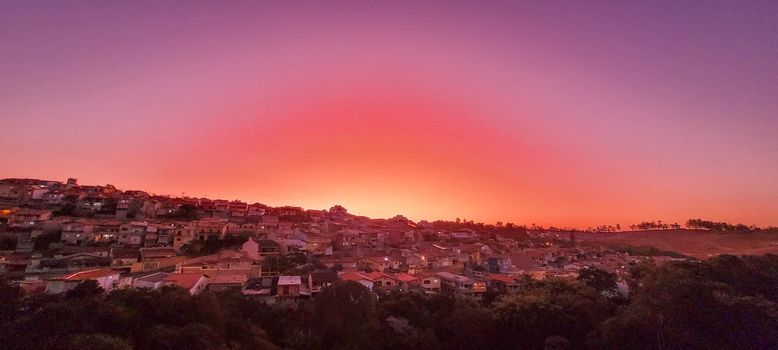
x=697 y=243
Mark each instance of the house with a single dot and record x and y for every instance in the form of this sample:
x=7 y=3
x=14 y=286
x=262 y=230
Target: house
x=318 y=280
x=104 y=231
x=37 y=192
x=94 y=250
x=163 y=233
x=256 y=209
x=225 y=262
x=341 y=263
x=225 y=282
x=132 y=234
x=195 y=283
x=260 y=248
x=123 y=256
x=380 y=263
x=398 y=237
x=503 y=284
x=313 y=243
x=107 y=279
x=26 y=218
x=429 y=283
x=268 y=222
x=382 y=280
x=203 y=229
x=463 y=234
x=453 y=284
x=528 y=259
x=262 y=289
x=500 y=264
x=288 y=211
x=358 y=277
x=288 y=287
x=152 y=281
x=268 y=247
x=405 y=280
x=53 y=197
x=156 y=253
x=13 y=264
x=77 y=232
x=207 y=229
x=70 y=263
x=122 y=209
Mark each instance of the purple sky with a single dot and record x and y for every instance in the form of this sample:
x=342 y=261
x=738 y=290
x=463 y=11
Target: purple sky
x=570 y=113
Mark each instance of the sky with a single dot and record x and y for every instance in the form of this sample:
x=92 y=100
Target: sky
x=567 y=113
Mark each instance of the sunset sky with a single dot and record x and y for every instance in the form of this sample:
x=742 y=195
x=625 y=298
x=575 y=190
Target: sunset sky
x=571 y=113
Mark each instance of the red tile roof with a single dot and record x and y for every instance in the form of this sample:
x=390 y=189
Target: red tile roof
x=354 y=276
x=502 y=278
x=405 y=277
x=376 y=275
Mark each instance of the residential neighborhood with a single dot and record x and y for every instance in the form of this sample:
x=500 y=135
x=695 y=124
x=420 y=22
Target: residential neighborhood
x=133 y=239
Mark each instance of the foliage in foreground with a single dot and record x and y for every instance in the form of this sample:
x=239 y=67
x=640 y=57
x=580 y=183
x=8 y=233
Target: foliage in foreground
x=725 y=303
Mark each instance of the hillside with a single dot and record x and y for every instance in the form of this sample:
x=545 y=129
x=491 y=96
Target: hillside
x=697 y=243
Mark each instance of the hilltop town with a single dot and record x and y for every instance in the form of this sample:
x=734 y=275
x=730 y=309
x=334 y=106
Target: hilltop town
x=97 y=267
x=58 y=234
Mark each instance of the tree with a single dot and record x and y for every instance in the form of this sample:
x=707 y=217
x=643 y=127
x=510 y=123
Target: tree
x=549 y=308
x=187 y=212
x=679 y=306
x=98 y=342
x=602 y=281
x=12 y=297
x=85 y=289
x=43 y=241
x=345 y=317
x=66 y=210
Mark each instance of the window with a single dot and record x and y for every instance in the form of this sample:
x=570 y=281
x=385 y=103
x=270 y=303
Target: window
x=427 y=282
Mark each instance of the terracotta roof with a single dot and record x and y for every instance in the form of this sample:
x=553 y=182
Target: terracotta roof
x=183 y=280
x=502 y=278
x=354 y=276
x=405 y=277
x=376 y=275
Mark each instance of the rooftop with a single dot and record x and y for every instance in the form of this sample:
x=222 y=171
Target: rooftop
x=455 y=277
x=228 y=279
x=89 y=275
x=289 y=280
x=183 y=280
x=154 y=277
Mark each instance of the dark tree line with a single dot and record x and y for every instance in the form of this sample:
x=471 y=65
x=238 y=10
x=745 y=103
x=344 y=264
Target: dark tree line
x=655 y=225
x=718 y=226
x=212 y=246
x=697 y=224
x=723 y=303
